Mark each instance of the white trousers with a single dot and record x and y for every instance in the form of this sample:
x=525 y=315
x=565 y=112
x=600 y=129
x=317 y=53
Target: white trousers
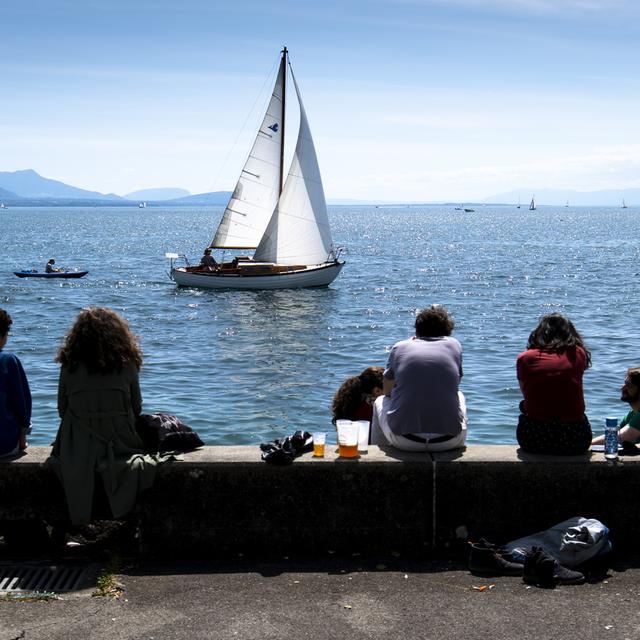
x=382 y=435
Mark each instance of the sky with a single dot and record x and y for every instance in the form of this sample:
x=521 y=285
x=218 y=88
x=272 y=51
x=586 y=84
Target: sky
x=408 y=100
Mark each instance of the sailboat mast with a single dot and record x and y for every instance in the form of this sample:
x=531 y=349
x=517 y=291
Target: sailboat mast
x=284 y=99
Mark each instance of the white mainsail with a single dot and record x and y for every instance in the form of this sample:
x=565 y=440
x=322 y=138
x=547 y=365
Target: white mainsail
x=256 y=194
x=298 y=232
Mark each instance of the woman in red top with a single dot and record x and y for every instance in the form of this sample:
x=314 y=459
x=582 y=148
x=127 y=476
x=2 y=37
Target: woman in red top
x=354 y=399
x=550 y=375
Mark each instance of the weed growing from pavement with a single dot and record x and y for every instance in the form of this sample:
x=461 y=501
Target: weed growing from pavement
x=30 y=596
x=107 y=585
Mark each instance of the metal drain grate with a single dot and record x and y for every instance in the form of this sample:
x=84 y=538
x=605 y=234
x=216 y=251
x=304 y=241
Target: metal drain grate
x=53 y=579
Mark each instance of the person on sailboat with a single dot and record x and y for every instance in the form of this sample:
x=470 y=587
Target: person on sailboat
x=207 y=261
x=422 y=408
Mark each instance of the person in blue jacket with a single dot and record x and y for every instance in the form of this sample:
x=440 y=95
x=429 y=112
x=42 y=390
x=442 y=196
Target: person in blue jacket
x=15 y=396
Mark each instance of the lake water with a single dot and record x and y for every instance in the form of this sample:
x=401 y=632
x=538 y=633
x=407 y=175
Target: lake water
x=245 y=367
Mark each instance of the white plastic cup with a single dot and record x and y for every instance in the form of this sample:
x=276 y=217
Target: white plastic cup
x=363 y=435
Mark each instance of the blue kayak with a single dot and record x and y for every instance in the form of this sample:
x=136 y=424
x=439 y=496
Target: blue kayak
x=53 y=274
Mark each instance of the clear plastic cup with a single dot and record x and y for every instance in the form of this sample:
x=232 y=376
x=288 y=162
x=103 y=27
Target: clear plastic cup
x=319 y=440
x=363 y=435
x=347 y=438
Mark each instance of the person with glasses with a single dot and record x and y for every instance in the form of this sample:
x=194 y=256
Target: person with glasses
x=630 y=424
x=15 y=396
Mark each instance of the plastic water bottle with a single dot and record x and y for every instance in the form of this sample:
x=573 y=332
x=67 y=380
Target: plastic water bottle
x=611 y=438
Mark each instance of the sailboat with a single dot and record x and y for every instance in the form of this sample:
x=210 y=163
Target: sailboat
x=284 y=220
x=624 y=204
x=532 y=205
x=518 y=203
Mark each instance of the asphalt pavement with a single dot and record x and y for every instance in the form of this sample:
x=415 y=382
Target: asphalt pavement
x=330 y=597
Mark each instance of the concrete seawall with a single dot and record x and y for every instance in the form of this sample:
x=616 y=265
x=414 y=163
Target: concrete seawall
x=225 y=499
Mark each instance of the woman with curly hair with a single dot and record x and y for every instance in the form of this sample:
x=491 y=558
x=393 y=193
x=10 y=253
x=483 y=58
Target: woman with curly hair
x=354 y=399
x=550 y=371
x=98 y=402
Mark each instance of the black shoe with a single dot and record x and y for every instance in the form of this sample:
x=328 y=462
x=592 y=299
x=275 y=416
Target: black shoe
x=488 y=559
x=545 y=571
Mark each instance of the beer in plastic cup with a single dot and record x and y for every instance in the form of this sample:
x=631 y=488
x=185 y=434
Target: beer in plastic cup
x=319 y=440
x=347 y=438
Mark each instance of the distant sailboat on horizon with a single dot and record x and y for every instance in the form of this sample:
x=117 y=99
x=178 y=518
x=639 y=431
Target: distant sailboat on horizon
x=532 y=205
x=624 y=204
x=518 y=203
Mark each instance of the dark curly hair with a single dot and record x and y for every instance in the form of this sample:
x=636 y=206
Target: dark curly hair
x=5 y=323
x=101 y=340
x=556 y=332
x=434 y=321
x=350 y=394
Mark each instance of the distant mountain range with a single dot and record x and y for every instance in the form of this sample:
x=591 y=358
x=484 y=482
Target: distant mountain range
x=28 y=188
x=29 y=184
x=166 y=193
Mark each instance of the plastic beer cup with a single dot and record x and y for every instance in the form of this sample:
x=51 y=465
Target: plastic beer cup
x=347 y=438
x=319 y=440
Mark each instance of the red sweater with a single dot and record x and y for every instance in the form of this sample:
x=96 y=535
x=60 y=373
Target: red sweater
x=551 y=383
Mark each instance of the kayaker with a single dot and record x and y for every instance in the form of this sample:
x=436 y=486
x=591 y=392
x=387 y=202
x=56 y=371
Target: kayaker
x=50 y=268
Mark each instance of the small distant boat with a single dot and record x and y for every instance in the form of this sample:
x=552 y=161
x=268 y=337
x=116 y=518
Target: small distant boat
x=54 y=274
x=624 y=204
x=532 y=205
x=518 y=204
x=460 y=208
x=142 y=205
x=567 y=204
x=469 y=210
x=3 y=205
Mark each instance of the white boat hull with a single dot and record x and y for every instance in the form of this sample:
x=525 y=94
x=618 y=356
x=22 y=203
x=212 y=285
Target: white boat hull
x=312 y=276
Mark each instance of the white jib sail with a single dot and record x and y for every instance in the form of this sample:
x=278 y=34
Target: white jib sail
x=298 y=232
x=256 y=194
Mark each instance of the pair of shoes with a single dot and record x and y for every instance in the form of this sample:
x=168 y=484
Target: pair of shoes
x=283 y=451
x=545 y=571
x=488 y=559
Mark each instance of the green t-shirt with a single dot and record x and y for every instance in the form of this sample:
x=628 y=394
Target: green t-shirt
x=633 y=420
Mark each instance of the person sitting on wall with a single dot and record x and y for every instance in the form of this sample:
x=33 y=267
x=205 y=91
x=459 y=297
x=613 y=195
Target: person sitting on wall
x=15 y=396
x=630 y=424
x=99 y=401
x=422 y=408
x=552 y=419
x=49 y=268
x=356 y=395
x=208 y=262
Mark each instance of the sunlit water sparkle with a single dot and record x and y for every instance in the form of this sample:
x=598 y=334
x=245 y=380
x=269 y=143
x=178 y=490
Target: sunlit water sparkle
x=242 y=367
